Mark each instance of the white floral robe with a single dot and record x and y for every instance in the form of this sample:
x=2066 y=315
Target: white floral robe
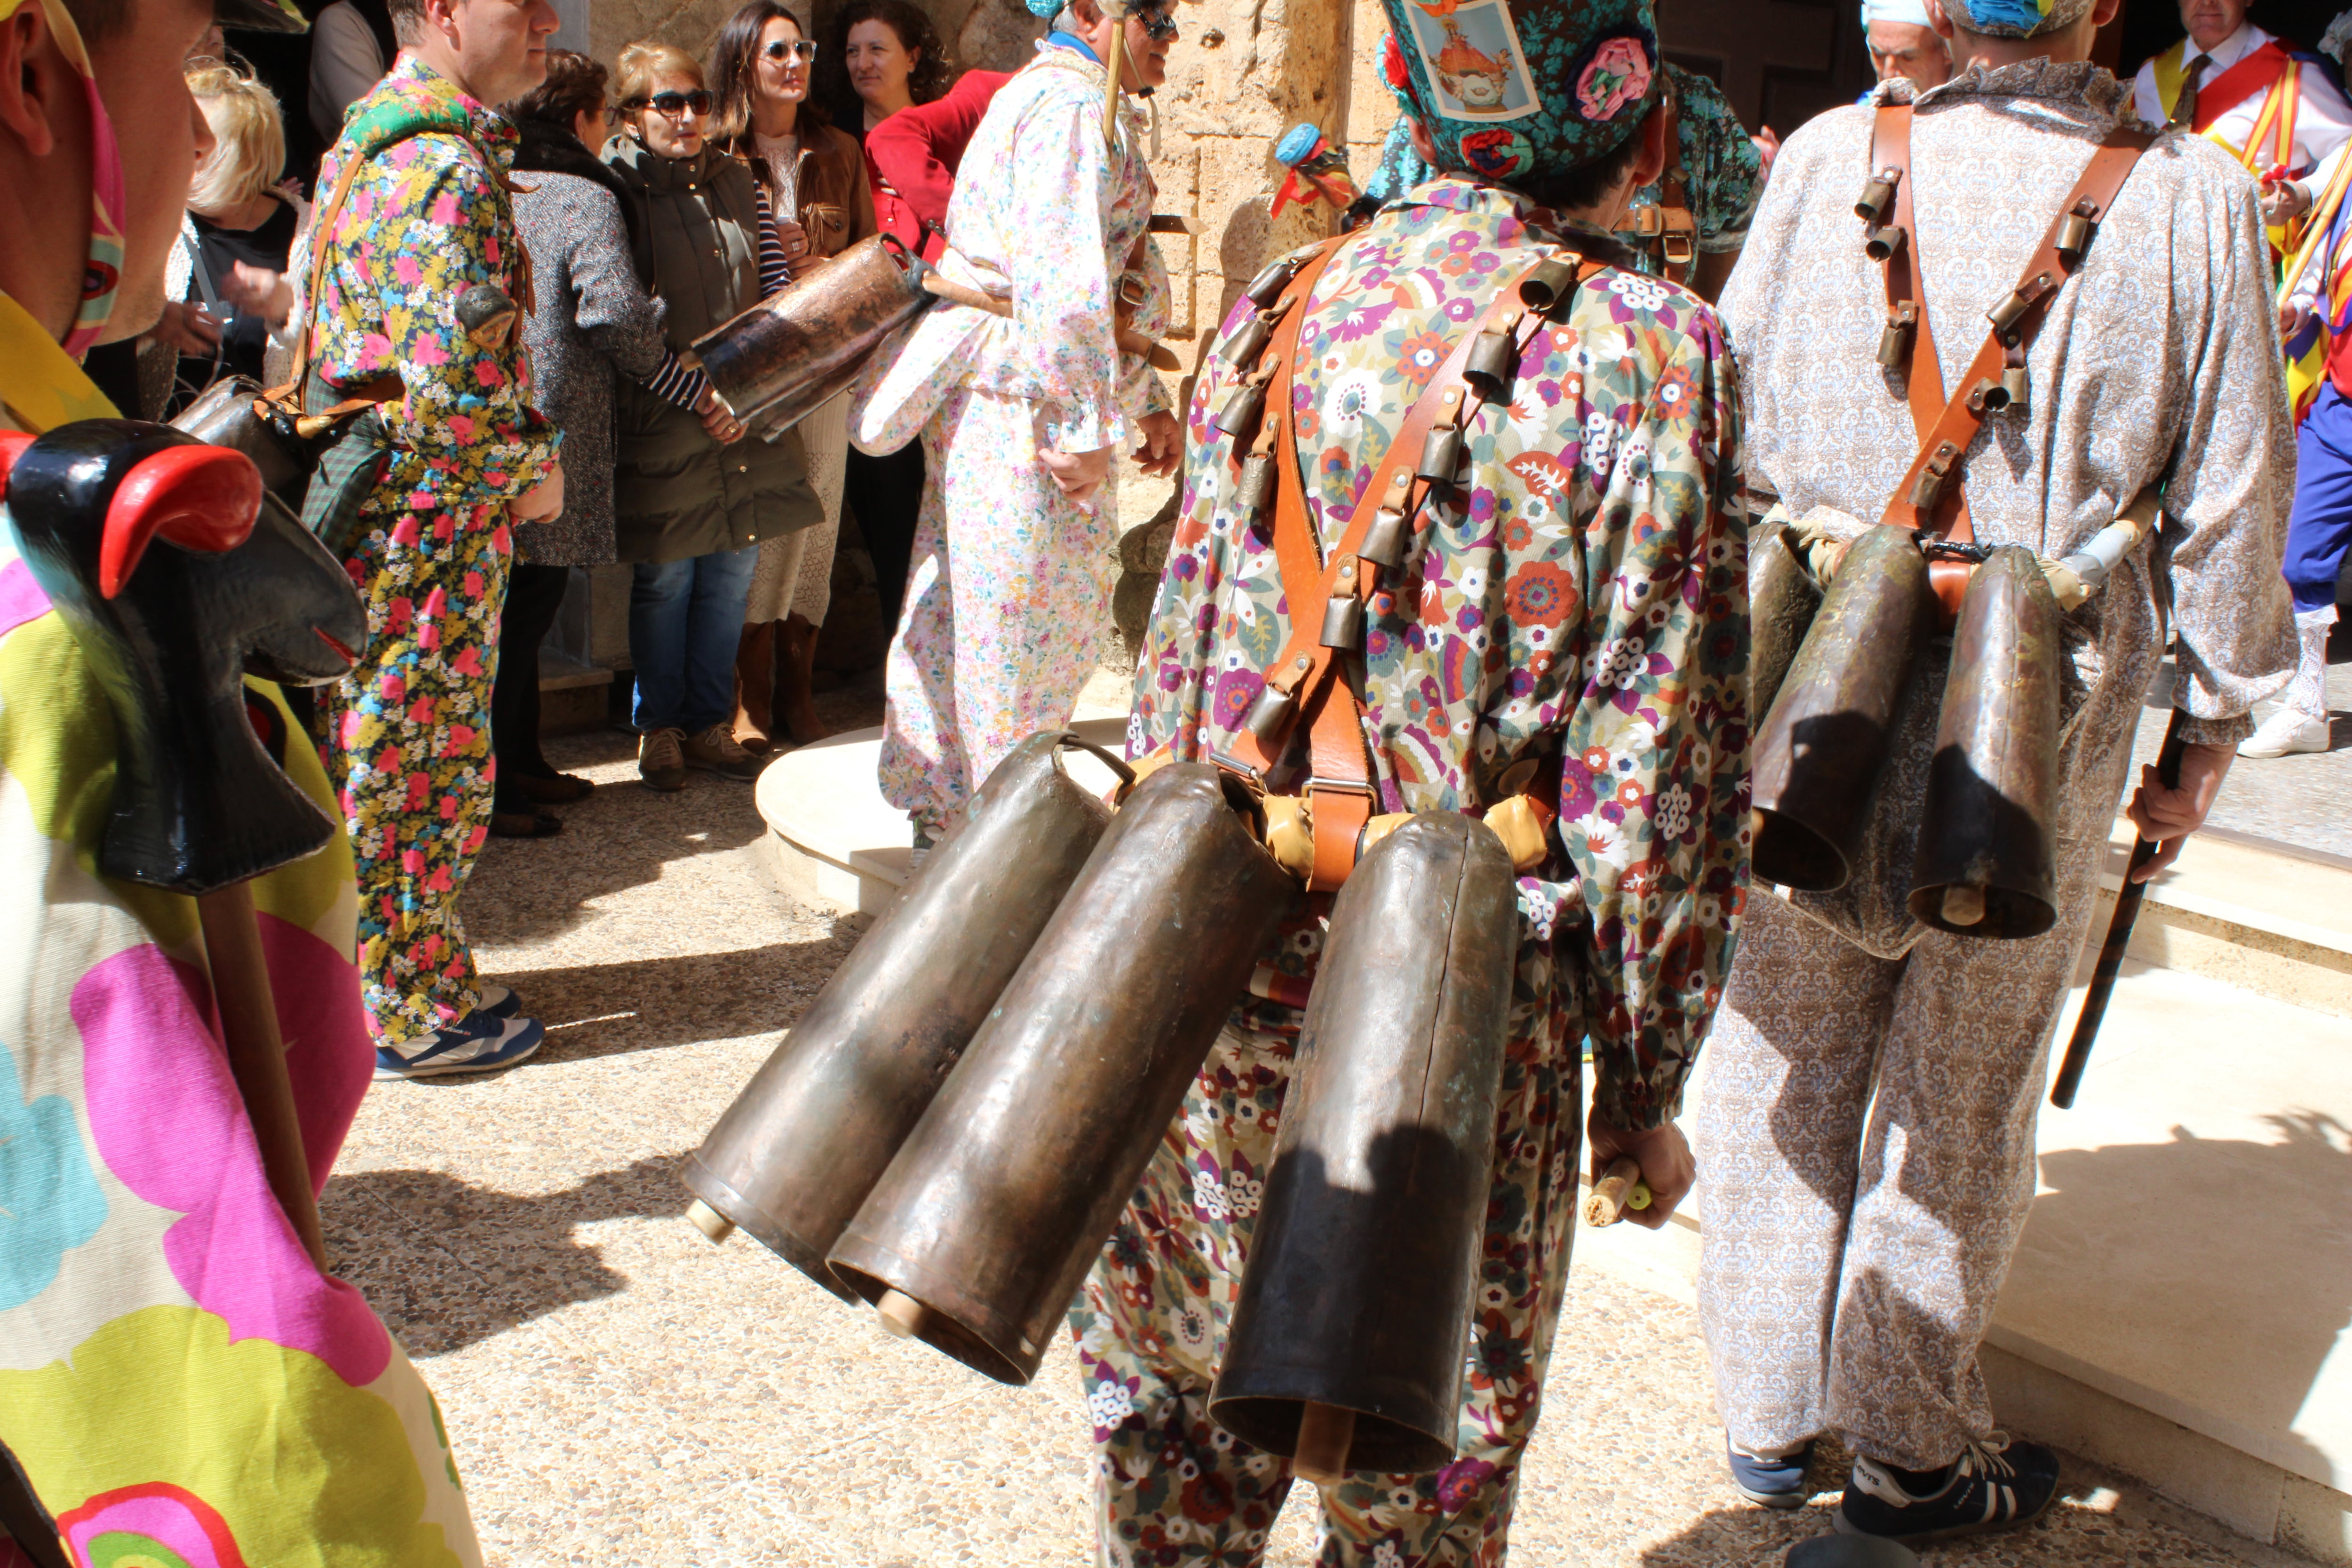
x=1008 y=595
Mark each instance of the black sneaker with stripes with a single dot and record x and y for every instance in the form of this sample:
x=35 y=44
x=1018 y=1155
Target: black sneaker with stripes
x=1995 y=1484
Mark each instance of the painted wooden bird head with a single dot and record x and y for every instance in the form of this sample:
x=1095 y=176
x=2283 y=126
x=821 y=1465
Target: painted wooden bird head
x=177 y=575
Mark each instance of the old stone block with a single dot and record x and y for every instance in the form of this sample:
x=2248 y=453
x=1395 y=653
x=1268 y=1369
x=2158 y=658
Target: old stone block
x=1130 y=609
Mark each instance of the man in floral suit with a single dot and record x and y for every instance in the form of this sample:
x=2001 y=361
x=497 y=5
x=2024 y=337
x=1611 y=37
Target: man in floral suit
x=1578 y=610
x=407 y=733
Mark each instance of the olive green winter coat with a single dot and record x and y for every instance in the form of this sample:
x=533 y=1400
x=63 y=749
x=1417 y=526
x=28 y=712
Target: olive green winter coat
x=678 y=493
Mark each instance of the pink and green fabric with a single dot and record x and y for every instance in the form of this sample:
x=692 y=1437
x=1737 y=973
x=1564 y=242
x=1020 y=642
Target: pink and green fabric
x=183 y=1386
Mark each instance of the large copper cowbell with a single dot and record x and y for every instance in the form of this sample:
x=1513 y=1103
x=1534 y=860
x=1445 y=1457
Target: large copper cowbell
x=1783 y=599
x=793 y=353
x=1364 y=1270
x=1824 y=744
x=223 y=415
x=817 y=1125
x=1002 y=1197
x=1986 y=862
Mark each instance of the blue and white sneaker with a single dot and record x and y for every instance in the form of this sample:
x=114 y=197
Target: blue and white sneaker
x=1995 y=1484
x=497 y=1002
x=1770 y=1480
x=479 y=1043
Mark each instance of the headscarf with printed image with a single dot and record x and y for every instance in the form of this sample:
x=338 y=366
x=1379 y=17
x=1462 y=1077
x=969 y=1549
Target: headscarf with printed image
x=2015 y=18
x=1518 y=90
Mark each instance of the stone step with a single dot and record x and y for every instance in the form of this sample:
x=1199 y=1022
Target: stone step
x=2271 y=918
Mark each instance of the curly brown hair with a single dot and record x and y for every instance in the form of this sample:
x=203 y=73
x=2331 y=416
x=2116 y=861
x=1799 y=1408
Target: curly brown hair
x=574 y=86
x=933 y=74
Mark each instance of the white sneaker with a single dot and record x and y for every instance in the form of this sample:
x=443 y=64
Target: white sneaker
x=2285 y=733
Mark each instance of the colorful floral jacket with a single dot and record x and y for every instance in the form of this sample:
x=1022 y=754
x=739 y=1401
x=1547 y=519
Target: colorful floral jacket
x=426 y=220
x=1584 y=599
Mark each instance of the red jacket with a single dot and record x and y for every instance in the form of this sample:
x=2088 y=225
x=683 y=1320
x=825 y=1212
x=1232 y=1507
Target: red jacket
x=912 y=159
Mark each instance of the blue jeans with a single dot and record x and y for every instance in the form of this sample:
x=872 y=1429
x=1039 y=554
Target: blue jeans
x=2320 y=528
x=685 y=618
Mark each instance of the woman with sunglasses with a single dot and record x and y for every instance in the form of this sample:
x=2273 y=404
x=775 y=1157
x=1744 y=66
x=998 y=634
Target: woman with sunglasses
x=816 y=184
x=694 y=502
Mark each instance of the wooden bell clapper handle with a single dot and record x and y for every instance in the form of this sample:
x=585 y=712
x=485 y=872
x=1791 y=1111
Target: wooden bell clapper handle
x=256 y=1055
x=1620 y=1188
x=1324 y=1435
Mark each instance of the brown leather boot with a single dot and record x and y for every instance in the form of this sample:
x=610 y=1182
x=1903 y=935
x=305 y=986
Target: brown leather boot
x=755 y=689
x=795 y=664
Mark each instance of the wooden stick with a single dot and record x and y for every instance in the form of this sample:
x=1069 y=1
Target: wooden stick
x=2119 y=929
x=1620 y=1188
x=902 y=1315
x=1325 y=1434
x=709 y=1221
x=256 y=1055
x=1118 y=63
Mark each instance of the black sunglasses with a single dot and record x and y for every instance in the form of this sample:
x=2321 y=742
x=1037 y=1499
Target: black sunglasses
x=796 y=49
x=673 y=104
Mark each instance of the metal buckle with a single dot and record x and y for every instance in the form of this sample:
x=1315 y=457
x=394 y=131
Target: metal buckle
x=1353 y=786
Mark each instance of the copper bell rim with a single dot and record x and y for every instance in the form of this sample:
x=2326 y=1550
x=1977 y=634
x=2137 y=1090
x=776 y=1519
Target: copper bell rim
x=762 y=1227
x=955 y=1323
x=1383 y=1442
x=2010 y=914
x=1817 y=865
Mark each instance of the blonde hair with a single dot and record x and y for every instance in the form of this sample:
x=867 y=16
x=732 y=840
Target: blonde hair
x=249 y=154
x=642 y=62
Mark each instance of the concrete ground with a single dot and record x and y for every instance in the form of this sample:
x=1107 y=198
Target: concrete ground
x=2303 y=801
x=620 y=1392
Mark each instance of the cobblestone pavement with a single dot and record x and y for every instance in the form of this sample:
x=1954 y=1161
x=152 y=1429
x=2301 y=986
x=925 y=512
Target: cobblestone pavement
x=620 y=1392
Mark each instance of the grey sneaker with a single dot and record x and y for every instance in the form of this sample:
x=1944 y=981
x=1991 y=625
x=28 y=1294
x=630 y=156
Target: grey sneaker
x=661 y=760
x=715 y=750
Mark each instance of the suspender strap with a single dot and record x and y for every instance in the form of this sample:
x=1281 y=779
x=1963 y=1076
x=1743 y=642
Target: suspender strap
x=1929 y=499
x=1907 y=304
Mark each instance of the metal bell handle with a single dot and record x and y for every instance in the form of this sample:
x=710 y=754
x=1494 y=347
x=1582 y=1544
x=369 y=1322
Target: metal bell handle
x=1069 y=738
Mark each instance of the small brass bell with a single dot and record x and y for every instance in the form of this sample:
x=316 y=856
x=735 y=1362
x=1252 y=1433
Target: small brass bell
x=1882 y=241
x=1548 y=284
x=1269 y=716
x=1255 y=487
x=1384 y=540
x=1877 y=196
x=2016 y=388
x=1240 y=413
x=1492 y=364
x=1268 y=286
x=2075 y=237
x=1895 y=343
x=1440 y=455
x=1248 y=340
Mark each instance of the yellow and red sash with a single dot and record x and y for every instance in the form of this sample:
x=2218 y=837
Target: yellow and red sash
x=2261 y=69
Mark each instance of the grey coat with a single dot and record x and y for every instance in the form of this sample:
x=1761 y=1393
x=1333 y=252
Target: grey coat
x=594 y=317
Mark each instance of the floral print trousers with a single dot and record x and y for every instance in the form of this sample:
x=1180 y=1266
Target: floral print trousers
x=1005 y=602
x=1173 y=1487
x=406 y=744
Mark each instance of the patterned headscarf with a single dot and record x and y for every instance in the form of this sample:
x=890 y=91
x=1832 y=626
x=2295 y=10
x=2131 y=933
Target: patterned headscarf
x=2015 y=18
x=102 y=267
x=1512 y=91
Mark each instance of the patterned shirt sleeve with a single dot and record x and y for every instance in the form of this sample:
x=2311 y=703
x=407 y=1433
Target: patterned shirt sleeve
x=1654 y=792
x=467 y=433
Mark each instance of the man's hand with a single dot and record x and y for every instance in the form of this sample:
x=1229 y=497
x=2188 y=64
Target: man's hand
x=2283 y=199
x=722 y=426
x=1768 y=147
x=543 y=499
x=1163 y=446
x=1667 y=1168
x=1080 y=474
x=2168 y=816
x=189 y=329
x=2293 y=318
x=258 y=291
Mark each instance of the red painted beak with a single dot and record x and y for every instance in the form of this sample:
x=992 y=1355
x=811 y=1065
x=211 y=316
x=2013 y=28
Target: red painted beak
x=199 y=498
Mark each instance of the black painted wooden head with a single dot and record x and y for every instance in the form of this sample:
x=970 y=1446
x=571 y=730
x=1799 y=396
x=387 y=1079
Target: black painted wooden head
x=176 y=575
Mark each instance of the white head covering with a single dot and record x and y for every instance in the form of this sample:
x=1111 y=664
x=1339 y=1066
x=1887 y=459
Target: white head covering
x=2339 y=36
x=1914 y=12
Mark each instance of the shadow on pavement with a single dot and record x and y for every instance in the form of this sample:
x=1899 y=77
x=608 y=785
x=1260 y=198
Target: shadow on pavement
x=448 y=1264
x=643 y=1004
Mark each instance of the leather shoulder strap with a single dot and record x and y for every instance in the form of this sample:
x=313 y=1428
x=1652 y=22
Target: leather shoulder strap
x=1930 y=497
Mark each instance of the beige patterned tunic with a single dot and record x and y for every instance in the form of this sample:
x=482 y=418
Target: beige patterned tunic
x=1855 y=1247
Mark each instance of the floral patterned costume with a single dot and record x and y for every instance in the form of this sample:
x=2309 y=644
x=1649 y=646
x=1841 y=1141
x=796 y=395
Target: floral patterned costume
x=1584 y=596
x=1010 y=584
x=407 y=732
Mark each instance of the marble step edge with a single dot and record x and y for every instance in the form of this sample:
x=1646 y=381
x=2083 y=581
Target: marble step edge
x=2217 y=1467
x=2236 y=880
